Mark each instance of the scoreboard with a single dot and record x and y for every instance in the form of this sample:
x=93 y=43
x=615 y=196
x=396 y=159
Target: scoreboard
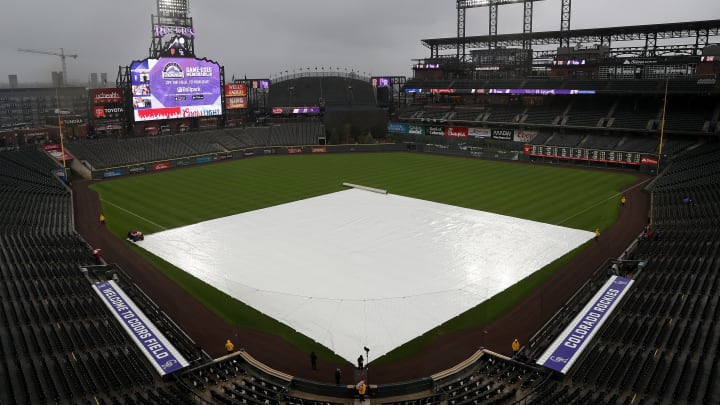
x=590 y=155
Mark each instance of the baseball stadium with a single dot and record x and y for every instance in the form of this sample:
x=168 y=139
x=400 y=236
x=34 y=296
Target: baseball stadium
x=528 y=218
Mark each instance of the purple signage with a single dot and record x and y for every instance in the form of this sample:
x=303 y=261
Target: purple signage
x=542 y=92
x=306 y=110
x=561 y=355
x=168 y=88
x=153 y=344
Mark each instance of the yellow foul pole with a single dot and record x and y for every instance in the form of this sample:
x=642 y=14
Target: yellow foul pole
x=662 y=125
x=60 y=129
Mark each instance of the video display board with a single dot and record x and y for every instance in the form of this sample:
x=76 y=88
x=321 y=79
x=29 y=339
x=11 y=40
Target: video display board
x=169 y=88
x=260 y=83
x=593 y=155
x=381 y=81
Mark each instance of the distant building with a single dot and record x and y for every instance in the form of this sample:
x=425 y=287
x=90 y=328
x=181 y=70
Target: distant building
x=27 y=110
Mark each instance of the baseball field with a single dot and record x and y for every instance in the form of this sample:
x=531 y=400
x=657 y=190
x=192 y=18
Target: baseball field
x=570 y=197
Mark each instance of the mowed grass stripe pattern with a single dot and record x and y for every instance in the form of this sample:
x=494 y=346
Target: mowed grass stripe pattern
x=576 y=198
x=541 y=193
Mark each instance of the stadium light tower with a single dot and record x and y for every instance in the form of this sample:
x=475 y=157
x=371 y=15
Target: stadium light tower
x=169 y=8
x=463 y=5
x=173 y=33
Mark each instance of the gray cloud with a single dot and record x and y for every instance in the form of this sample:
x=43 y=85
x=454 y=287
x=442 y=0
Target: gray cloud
x=261 y=38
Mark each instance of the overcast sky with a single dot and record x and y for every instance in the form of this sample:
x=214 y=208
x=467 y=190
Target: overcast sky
x=260 y=38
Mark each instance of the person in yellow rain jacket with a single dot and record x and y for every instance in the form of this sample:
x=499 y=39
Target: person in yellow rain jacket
x=361 y=389
x=623 y=200
x=229 y=346
x=515 y=346
x=597 y=234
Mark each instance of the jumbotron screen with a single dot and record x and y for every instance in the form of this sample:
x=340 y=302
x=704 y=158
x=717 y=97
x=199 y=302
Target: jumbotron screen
x=169 y=88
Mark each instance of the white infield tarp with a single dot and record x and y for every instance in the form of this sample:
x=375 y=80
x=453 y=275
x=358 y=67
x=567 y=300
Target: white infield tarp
x=356 y=268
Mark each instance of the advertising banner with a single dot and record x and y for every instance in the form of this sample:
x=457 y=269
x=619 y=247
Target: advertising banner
x=106 y=96
x=648 y=161
x=522 y=135
x=319 y=149
x=502 y=134
x=60 y=173
x=151 y=342
x=112 y=173
x=72 y=122
x=292 y=151
x=295 y=110
x=169 y=88
x=435 y=131
x=397 y=128
x=101 y=111
x=234 y=103
x=566 y=349
x=456 y=132
x=416 y=130
x=161 y=166
x=236 y=96
x=479 y=132
x=55 y=150
x=137 y=169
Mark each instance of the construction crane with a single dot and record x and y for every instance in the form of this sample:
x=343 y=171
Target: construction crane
x=61 y=54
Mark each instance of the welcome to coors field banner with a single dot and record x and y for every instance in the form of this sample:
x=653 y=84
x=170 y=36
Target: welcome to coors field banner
x=568 y=346
x=151 y=342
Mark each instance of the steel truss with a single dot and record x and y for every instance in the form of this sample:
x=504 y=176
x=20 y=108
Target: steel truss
x=627 y=52
x=700 y=31
x=565 y=22
x=463 y=5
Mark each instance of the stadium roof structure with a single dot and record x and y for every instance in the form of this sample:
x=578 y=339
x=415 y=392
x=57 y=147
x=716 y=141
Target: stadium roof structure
x=702 y=31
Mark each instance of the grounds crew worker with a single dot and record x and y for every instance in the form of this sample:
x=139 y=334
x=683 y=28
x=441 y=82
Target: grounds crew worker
x=229 y=346
x=361 y=389
x=515 y=346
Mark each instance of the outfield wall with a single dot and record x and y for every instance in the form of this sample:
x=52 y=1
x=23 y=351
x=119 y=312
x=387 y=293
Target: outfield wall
x=471 y=152
x=151 y=167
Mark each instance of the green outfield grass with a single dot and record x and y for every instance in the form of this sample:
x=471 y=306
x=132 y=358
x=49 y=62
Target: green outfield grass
x=576 y=198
